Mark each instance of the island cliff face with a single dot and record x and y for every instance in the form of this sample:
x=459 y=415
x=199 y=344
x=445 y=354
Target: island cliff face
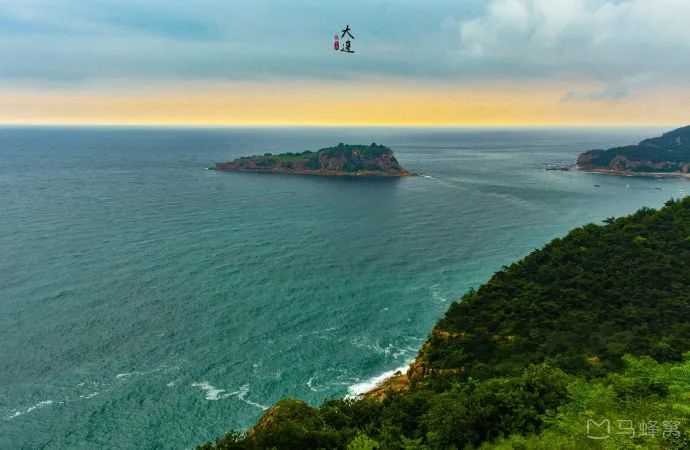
x=341 y=160
x=668 y=154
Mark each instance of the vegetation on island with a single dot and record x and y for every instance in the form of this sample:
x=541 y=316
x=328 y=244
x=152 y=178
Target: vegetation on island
x=582 y=344
x=667 y=153
x=343 y=159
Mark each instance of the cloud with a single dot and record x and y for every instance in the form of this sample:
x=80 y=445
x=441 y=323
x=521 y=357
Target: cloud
x=608 y=93
x=615 y=91
x=73 y=42
x=579 y=39
x=594 y=43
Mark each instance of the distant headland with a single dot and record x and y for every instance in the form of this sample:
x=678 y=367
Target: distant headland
x=666 y=155
x=341 y=160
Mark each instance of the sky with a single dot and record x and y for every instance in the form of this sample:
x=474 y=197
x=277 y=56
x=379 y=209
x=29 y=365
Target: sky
x=272 y=62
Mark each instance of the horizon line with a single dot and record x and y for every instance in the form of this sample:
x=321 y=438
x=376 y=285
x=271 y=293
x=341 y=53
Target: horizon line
x=329 y=125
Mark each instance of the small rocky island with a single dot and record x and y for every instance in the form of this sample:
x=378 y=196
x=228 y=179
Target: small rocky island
x=666 y=155
x=341 y=160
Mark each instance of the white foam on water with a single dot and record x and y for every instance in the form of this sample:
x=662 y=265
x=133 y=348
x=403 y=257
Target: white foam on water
x=436 y=294
x=310 y=385
x=163 y=368
x=405 y=351
x=127 y=374
x=242 y=395
x=93 y=394
x=325 y=330
x=38 y=405
x=365 y=343
x=330 y=380
x=212 y=393
x=365 y=386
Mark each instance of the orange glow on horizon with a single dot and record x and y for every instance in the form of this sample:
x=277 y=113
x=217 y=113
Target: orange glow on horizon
x=318 y=105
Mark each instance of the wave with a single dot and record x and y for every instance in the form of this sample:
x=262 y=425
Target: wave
x=327 y=382
x=365 y=386
x=85 y=396
x=212 y=393
x=310 y=384
x=45 y=403
x=364 y=343
x=436 y=294
x=162 y=368
x=325 y=330
x=38 y=405
x=242 y=395
x=128 y=374
x=389 y=350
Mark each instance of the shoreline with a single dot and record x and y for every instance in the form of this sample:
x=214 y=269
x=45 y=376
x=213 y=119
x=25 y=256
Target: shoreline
x=371 y=386
x=637 y=174
x=324 y=173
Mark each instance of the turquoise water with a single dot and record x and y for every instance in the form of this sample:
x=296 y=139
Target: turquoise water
x=148 y=302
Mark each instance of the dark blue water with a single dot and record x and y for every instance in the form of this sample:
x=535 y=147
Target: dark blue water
x=146 y=301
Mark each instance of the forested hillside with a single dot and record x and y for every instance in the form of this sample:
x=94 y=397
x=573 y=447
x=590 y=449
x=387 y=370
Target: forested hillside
x=578 y=345
x=668 y=153
x=580 y=303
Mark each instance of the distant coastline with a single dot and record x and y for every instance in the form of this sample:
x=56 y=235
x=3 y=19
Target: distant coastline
x=665 y=156
x=634 y=174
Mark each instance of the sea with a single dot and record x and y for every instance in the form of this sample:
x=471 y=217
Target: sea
x=147 y=302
